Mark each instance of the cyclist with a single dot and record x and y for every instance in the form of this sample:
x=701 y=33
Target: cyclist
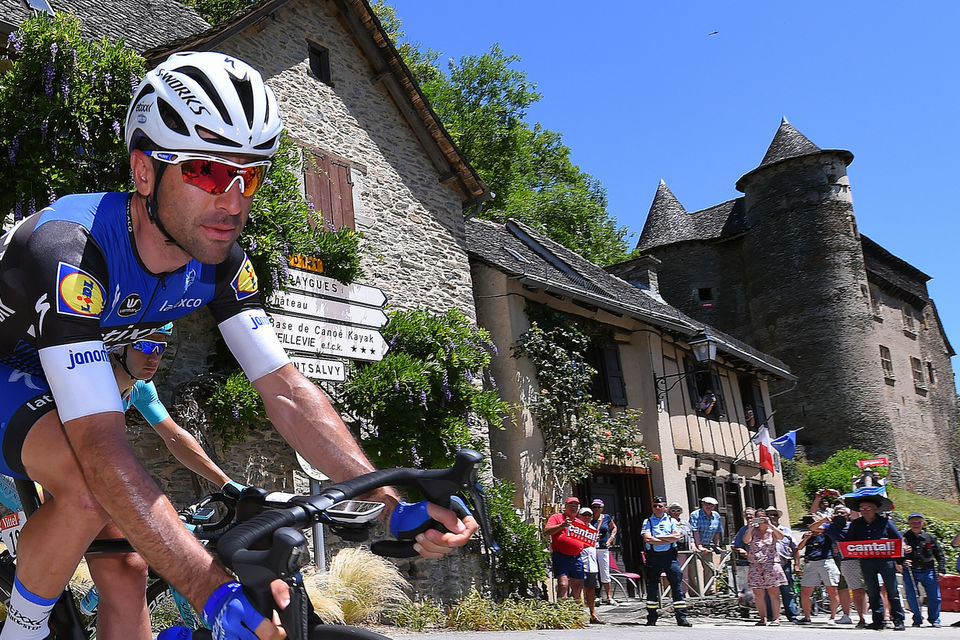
x=95 y=271
x=121 y=579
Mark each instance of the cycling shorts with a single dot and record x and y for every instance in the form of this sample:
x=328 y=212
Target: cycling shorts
x=26 y=398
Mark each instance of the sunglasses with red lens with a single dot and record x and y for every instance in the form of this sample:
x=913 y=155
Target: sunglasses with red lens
x=215 y=175
x=149 y=347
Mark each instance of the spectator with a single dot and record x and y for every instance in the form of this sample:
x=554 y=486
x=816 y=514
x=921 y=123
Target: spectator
x=707 y=402
x=684 y=544
x=565 y=551
x=956 y=543
x=591 y=571
x=765 y=574
x=851 y=578
x=749 y=419
x=873 y=526
x=819 y=568
x=739 y=547
x=707 y=528
x=608 y=531
x=824 y=501
x=786 y=551
x=920 y=552
x=660 y=537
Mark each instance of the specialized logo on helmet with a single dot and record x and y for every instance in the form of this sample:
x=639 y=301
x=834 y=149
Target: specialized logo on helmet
x=193 y=102
x=245 y=282
x=79 y=292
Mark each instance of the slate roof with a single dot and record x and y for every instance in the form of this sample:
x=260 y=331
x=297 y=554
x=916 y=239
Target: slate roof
x=539 y=262
x=787 y=144
x=142 y=24
x=668 y=223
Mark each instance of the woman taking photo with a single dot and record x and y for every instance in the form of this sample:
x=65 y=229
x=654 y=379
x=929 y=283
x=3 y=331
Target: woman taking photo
x=765 y=575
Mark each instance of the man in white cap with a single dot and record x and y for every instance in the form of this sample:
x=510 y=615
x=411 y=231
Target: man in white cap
x=707 y=528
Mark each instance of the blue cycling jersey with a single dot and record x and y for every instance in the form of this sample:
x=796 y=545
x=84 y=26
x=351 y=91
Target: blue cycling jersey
x=72 y=284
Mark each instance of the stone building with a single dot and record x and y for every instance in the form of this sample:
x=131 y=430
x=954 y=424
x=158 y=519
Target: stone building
x=784 y=267
x=376 y=158
x=645 y=361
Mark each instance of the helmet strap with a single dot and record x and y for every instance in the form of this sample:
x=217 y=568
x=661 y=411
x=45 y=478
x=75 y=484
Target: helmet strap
x=153 y=208
x=121 y=357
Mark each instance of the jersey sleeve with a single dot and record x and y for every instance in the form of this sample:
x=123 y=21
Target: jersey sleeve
x=65 y=285
x=147 y=402
x=244 y=324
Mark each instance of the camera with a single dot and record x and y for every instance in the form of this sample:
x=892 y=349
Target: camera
x=758 y=520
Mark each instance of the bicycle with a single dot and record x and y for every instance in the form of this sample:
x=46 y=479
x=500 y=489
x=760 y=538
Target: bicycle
x=256 y=560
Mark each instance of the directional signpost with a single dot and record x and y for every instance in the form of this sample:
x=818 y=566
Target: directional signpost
x=320 y=316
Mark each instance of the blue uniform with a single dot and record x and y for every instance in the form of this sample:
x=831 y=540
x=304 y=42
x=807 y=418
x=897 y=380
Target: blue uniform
x=72 y=285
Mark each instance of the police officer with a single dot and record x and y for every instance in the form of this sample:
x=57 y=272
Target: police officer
x=660 y=535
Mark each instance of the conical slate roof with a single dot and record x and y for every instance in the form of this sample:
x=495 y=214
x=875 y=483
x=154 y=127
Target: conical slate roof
x=789 y=143
x=666 y=220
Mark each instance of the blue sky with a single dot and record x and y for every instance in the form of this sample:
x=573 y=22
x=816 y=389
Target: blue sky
x=642 y=91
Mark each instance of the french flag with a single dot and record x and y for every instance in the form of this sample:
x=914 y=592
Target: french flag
x=762 y=440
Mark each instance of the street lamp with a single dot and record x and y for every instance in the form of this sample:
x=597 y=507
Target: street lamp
x=704 y=350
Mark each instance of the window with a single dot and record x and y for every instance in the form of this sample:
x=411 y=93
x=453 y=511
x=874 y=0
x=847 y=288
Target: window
x=608 y=384
x=329 y=189
x=930 y=376
x=706 y=296
x=917 y=368
x=887 y=363
x=909 y=325
x=319 y=58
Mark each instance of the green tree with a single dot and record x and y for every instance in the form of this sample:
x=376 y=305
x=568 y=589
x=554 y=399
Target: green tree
x=836 y=472
x=216 y=11
x=483 y=101
x=62 y=107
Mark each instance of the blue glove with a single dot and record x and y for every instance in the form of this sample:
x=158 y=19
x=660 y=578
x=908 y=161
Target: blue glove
x=176 y=633
x=230 y=615
x=411 y=518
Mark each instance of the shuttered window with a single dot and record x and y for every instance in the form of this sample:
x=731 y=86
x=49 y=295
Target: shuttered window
x=329 y=190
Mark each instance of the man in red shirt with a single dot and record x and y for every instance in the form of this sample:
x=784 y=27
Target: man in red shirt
x=565 y=550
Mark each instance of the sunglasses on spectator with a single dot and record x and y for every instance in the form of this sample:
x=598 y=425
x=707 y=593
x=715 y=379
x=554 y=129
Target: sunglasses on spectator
x=215 y=175
x=149 y=347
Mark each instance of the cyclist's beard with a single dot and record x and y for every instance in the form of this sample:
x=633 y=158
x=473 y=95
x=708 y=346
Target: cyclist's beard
x=193 y=240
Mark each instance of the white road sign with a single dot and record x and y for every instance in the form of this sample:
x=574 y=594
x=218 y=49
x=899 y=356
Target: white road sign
x=328 y=287
x=318 y=369
x=326 y=338
x=327 y=309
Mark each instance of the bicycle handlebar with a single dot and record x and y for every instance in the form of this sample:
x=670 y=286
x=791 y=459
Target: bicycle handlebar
x=257 y=561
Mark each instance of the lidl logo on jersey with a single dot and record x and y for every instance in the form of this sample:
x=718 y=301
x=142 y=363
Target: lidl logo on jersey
x=245 y=282
x=80 y=293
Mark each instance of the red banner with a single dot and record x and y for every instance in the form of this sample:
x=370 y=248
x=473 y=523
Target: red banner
x=583 y=533
x=884 y=548
x=876 y=462
x=9 y=521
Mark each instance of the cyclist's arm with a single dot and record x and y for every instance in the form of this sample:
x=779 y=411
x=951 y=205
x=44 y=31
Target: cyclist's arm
x=188 y=451
x=309 y=423
x=141 y=510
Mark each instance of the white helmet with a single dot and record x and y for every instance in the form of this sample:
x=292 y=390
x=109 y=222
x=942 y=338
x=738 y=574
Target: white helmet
x=207 y=91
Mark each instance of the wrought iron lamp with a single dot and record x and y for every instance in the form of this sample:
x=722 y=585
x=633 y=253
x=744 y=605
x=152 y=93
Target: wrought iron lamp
x=704 y=351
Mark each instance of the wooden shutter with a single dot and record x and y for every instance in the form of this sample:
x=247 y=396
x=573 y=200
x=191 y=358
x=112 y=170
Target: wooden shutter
x=329 y=188
x=614 y=375
x=771 y=495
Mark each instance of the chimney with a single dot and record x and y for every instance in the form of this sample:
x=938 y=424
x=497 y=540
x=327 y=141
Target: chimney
x=642 y=273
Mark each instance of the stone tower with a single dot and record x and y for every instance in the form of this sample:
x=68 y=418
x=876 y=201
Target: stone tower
x=807 y=293
x=784 y=268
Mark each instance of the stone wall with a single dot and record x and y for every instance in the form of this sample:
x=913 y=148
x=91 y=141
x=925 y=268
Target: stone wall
x=414 y=233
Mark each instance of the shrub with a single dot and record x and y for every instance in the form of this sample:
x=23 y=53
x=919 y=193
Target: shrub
x=523 y=559
x=477 y=613
x=419 y=615
x=836 y=472
x=419 y=405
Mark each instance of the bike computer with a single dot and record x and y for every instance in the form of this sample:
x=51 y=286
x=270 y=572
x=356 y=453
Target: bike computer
x=355 y=511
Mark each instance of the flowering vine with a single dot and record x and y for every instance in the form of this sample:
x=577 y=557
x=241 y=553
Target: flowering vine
x=579 y=433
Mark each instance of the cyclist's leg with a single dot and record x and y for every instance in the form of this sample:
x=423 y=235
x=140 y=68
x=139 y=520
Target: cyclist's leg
x=121 y=580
